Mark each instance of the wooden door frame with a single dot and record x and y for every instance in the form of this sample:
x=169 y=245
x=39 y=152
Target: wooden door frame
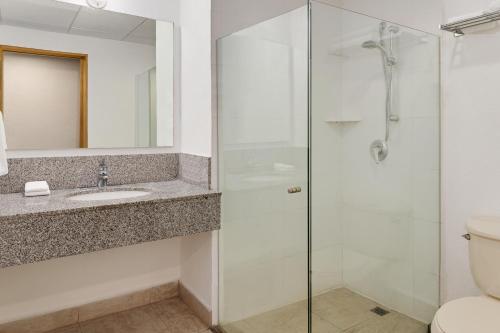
x=57 y=54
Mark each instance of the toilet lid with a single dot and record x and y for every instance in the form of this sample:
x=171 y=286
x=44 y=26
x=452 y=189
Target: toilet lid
x=485 y=226
x=470 y=314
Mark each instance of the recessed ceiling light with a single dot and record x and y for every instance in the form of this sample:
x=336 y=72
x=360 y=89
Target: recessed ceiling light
x=98 y=4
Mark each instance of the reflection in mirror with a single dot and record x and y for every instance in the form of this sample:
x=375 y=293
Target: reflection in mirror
x=77 y=77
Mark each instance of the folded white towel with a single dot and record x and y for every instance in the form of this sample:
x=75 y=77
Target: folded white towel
x=33 y=189
x=493 y=7
x=463 y=17
x=4 y=168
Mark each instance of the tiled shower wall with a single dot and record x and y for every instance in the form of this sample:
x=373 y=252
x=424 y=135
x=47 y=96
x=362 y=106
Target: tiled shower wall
x=389 y=212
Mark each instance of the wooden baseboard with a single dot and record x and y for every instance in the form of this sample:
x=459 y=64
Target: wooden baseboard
x=195 y=304
x=93 y=310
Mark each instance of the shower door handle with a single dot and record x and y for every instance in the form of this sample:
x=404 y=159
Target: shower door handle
x=295 y=189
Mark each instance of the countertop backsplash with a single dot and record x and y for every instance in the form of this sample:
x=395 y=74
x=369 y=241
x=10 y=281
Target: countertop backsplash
x=81 y=171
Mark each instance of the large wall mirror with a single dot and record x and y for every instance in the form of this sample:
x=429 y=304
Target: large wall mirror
x=78 y=77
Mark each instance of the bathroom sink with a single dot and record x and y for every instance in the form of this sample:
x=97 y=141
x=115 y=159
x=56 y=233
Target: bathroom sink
x=108 y=195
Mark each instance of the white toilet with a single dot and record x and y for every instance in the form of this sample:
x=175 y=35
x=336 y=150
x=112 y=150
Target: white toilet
x=477 y=314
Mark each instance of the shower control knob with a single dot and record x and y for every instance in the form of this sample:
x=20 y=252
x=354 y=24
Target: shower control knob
x=295 y=189
x=379 y=150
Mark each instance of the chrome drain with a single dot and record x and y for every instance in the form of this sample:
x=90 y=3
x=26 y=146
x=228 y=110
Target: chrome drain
x=379 y=311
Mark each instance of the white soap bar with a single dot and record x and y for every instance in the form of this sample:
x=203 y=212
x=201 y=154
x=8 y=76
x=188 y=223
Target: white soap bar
x=32 y=189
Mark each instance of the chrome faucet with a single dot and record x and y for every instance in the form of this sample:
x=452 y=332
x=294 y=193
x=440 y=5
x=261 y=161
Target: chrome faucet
x=103 y=176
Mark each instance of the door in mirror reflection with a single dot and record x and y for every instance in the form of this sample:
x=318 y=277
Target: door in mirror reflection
x=50 y=117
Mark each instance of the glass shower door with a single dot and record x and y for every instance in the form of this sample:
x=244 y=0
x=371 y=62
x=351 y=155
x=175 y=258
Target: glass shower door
x=343 y=150
x=374 y=173
x=263 y=170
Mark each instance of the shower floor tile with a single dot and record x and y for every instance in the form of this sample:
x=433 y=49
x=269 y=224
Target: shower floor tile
x=170 y=316
x=337 y=311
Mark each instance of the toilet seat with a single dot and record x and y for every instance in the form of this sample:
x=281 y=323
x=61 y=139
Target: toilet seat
x=467 y=315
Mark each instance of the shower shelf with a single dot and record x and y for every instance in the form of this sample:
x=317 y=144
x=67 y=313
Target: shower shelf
x=337 y=119
x=343 y=115
x=457 y=27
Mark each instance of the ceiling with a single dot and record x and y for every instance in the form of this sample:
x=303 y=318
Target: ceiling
x=55 y=16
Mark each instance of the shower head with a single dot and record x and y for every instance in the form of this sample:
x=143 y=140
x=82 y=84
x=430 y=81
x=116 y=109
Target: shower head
x=370 y=44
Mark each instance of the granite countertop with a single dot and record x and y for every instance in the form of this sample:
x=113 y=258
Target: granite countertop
x=42 y=228
x=17 y=205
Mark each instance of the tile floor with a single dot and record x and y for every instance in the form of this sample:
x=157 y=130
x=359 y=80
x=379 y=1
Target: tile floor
x=337 y=311
x=170 y=316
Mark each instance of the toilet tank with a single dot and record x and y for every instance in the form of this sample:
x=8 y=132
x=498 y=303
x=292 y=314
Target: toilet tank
x=484 y=253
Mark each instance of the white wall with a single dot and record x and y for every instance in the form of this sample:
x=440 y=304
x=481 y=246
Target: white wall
x=196 y=129
x=44 y=287
x=165 y=82
x=196 y=266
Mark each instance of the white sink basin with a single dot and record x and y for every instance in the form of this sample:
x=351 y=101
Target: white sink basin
x=108 y=195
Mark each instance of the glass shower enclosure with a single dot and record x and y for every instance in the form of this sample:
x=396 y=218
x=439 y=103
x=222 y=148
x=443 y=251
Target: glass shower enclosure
x=329 y=168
